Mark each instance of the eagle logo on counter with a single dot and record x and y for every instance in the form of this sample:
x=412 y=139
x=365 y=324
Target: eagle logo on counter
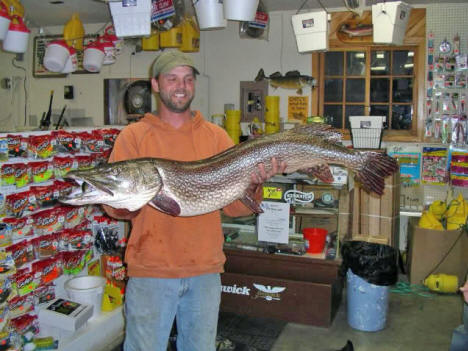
x=268 y=292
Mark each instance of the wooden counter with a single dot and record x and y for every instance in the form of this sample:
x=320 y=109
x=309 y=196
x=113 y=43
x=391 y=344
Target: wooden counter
x=287 y=287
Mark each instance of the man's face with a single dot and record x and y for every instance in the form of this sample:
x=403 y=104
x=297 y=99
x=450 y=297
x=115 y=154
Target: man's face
x=176 y=88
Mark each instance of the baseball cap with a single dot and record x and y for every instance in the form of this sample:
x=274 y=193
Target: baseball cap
x=170 y=59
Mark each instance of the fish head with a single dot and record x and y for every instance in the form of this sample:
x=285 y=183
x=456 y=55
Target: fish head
x=125 y=184
x=306 y=80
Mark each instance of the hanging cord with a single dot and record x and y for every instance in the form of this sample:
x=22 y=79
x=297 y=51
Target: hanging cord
x=462 y=231
x=24 y=86
x=305 y=1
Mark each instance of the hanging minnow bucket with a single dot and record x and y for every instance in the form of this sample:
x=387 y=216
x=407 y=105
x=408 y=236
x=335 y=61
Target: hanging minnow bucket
x=93 y=57
x=72 y=62
x=4 y=21
x=56 y=56
x=16 y=39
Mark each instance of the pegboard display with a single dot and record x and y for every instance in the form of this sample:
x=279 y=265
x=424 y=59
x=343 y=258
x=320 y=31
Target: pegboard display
x=446 y=74
x=446 y=20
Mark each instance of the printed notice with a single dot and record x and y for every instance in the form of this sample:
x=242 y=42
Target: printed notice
x=273 y=223
x=298 y=108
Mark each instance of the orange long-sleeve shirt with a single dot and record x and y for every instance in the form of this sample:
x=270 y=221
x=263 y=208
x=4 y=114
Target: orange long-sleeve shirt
x=161 y=245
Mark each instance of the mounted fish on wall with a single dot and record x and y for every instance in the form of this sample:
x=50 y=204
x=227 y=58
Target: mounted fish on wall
x=291 y=80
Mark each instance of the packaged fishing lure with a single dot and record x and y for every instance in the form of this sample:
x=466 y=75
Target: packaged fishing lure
x=22 y=174
x=41 y=171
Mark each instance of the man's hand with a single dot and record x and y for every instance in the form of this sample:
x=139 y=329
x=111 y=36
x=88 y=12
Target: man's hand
x=261 y=175
x=464 y=290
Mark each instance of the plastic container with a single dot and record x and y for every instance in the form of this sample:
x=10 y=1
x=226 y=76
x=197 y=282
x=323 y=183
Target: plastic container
x=5 y=20
x=152 y=42
x=171 y=38
x=315 y=239
x=72 y=62
x=210 y=14
x=272 y=117
x=190 y=36
x=367 y=304
x=109 y=51
x=16 y=39
x=15 y=7
x=73 y=32
x=88 y=290
x=56 y=56
x=93 y=57
x=240 y=10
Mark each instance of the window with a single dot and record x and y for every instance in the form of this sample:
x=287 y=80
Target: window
x=374 y=81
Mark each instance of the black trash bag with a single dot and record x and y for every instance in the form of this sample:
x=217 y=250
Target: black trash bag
x=375 y=263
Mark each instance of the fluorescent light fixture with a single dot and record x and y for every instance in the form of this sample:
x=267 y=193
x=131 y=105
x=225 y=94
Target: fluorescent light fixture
x=359 y=55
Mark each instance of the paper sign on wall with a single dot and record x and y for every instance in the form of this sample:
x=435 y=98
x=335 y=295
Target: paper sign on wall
x=298 y=108
x=273 y=223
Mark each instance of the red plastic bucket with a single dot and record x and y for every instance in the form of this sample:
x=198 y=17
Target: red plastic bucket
x=314 y=239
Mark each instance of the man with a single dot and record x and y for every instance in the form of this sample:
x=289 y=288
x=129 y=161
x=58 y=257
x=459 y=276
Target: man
x=460 y=334
x=174 y=262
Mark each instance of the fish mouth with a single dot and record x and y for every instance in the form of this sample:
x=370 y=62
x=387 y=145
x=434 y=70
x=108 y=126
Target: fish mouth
x=86 y=190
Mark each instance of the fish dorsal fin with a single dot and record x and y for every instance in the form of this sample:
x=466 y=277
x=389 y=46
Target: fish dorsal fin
x=321 y=171
x=321 y=130
x=276 y=75
x=293 y=74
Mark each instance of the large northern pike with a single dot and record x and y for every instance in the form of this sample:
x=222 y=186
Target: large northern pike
x=192 y=188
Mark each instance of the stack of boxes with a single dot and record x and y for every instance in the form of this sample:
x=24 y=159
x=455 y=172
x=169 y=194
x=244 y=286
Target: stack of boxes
x=377 y=218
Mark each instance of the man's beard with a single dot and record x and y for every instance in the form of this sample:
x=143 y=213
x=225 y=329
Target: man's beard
x=166 y=100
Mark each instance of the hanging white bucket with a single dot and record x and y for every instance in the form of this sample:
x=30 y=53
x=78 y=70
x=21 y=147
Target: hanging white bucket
x=93 y=57
x=56 y=56
x=210 y=14
x=16 y=39
x=240 y=10
x=72 y=62
x=4 y=21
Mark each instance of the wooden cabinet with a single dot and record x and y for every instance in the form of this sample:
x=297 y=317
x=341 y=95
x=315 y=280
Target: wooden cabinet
x=296 y=289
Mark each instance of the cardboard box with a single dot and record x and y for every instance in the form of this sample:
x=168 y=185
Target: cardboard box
x=436 y=251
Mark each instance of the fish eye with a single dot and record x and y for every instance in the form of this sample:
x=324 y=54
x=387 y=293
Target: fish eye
x=84 y=187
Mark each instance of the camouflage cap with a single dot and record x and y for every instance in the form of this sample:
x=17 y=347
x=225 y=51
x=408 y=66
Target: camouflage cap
x=170 y=59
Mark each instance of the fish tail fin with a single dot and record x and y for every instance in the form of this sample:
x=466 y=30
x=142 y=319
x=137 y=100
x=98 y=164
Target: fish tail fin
x=374 y=168
x=260 y=75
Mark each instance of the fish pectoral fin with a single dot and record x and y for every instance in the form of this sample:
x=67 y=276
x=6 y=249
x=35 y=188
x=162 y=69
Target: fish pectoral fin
x=165 y=204
x=253 y=205
x=321 y=171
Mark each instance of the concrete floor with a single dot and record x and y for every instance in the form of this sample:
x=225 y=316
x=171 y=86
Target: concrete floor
x=414 y=323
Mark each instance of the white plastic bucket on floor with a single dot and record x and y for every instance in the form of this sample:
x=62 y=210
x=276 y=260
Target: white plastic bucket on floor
x=87 y=289
x=93 y=57
x=210 y=14
x=4 y=21
x=56 y=56
x=72 y=62
x=240 y=10
x=16 y=39
x=367 y=303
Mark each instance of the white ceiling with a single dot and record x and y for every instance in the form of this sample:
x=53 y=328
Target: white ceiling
x=42 y=13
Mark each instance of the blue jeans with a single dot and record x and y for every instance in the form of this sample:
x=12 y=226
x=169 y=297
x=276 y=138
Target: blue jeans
x=152 y=303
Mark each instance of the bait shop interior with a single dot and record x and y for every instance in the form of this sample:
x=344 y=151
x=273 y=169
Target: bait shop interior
x=362 y=245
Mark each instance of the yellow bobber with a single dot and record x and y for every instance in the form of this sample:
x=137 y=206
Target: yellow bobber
x=442 y=283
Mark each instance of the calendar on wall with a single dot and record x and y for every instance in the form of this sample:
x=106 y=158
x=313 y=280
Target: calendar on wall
x=40 y=45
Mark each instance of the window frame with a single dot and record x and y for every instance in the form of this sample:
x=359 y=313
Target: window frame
x=415 y=39
x=367 y=76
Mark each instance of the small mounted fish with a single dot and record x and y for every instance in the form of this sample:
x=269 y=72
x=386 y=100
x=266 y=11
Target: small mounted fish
x=291 y=80
x=361 y=30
